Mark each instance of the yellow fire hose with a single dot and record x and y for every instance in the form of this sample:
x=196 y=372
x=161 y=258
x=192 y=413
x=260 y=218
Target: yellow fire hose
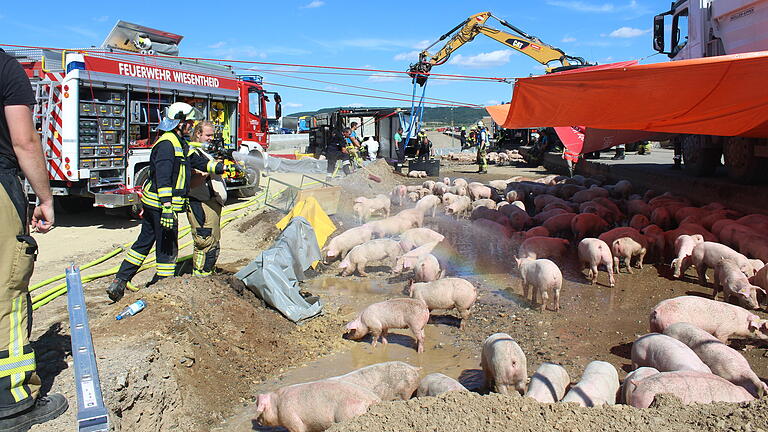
x=60 y=289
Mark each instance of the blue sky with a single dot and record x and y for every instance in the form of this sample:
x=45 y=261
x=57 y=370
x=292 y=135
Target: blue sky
x=375 y=35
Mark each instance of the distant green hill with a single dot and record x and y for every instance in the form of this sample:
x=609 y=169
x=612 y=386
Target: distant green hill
x=437 y=115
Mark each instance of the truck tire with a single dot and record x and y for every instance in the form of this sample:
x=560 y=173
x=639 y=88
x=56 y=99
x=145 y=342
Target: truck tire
x=253 y=177
x=700 y=157
x=743 y=166
x=133 y=211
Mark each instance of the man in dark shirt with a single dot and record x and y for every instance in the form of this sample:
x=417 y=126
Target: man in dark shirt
x=20 y=153
x=337 y=151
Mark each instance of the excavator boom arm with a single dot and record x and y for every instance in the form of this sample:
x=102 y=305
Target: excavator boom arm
x=521 y=42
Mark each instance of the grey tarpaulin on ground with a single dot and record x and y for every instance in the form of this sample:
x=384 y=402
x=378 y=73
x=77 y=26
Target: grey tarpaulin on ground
x=274 y=274
x=263 y=162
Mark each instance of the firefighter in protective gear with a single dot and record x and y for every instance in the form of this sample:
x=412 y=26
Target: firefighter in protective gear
x=207 y=196
x=21 y=405
x=482 y=147
x=164 y=196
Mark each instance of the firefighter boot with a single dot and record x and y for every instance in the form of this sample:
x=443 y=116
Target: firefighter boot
x=44 y=409
x=155 y=279
x=116 y=290
x=619 y=155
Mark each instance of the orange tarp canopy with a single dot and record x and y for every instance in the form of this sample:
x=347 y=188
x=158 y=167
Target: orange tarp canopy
x=724 y=95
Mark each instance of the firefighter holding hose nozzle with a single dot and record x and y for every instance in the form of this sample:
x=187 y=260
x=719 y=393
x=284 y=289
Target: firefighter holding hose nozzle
x=165 y=194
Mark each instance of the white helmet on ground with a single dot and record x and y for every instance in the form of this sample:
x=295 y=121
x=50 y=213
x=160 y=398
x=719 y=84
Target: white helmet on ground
x=177 y=113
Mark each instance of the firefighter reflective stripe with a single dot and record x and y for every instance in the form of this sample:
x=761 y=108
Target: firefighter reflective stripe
x=211 y=166
x=571 y=156
x=165 y=269
x=164 y=192
x=199 y=259
x=134 y=257
x=17 y=365
x=16 y=351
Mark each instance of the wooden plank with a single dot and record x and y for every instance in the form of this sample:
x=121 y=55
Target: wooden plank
x=328 y=197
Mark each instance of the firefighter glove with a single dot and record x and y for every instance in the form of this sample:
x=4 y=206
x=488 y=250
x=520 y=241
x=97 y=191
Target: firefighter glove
x=168 y=218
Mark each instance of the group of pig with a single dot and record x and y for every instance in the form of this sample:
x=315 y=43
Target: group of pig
x=686 y=356
x=506 y=157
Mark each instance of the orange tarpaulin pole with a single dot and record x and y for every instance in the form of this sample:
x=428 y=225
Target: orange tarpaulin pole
x=725 y=95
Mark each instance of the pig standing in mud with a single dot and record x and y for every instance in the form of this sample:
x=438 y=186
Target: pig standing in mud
x=391 y=226
x=543 y=247
x=598 y=386
x=625 y=248
x=373 y=250
x=548 y=383
x=734 y=284
x=545 y=277
x=594 y=253
x=416 y=237
x=684 y=245
x=399 y=313
x=723 y=360
x=437 y=383
x=314 y=406
x=429 y=202
x=338 y=246
x=721 y=320
x=446 y=294
x=427 y=269
x=708 y=254
x=690 y=386
x=504 y=364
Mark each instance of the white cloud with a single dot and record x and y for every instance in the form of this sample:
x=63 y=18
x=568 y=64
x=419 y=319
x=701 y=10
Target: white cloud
x=217 y=45
x=102 y=18
x=627 y=32
x=313 y=4
x=382 y=77
x=483 y=60
x=408 y=56
x=332 y=88
x=356 y=105
x=588 y=6
x=568 y=39
x=292 y=105
x=583 y=6
x=422 y=44
x=82 y=31
x=492 y=102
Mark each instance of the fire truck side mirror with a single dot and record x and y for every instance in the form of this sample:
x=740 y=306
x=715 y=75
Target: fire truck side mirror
x=658 y=33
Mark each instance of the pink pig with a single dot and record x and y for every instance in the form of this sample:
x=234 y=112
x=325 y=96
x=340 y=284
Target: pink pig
x=379 y=318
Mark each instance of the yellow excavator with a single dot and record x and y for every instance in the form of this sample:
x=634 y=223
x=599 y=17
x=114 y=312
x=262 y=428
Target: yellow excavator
x=521 y=41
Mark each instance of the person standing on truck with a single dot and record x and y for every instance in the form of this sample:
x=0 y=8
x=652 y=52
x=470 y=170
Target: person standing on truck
x=164 y=195
x=482 y=147
x=21 y=405
x=207 y=196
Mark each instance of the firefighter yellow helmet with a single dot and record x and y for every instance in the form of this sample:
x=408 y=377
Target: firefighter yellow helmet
x=177 y=113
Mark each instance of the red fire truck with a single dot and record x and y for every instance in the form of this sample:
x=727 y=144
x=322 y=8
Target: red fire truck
x=97 y=111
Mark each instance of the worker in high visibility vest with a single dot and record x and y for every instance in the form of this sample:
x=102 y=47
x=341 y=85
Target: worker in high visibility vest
x=164 y=195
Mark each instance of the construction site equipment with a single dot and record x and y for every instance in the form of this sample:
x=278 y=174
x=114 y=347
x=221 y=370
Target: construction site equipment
x=98 y=110
x=707 y=28
x=92 y=415
x=520 y=41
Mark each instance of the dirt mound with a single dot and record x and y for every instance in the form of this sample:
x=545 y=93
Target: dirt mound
x=195 y=354
x=470 y=411
x=359 y=184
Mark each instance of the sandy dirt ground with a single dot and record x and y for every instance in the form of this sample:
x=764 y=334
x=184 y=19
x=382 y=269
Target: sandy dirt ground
x=204 y=348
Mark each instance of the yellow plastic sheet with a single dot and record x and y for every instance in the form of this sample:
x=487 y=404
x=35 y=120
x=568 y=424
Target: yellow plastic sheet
x=310 y=210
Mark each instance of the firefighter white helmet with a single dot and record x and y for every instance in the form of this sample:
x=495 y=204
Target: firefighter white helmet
x=177 y=113
x=480 y=124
